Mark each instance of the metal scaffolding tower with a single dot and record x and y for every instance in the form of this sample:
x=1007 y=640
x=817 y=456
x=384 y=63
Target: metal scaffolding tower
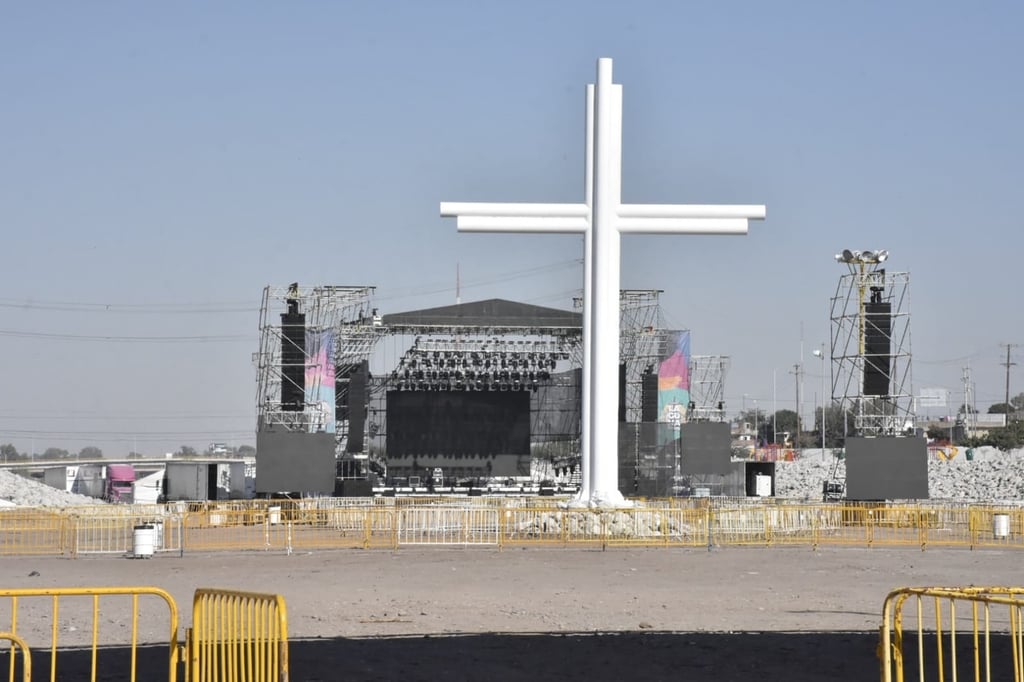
x=339 y=331
x=641 y=342
x=870 y=346
x=707 y=388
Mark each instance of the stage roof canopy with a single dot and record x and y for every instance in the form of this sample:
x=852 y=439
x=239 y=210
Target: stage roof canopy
x=495 y=313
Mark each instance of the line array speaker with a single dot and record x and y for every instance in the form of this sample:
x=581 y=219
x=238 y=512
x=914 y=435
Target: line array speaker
x=649 y=400
x=357 y=406
x=293 y=361
x=622 y=392
x=877 y=348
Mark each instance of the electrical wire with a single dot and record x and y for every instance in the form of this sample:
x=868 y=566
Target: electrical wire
x=132 y=308
x=14 y=333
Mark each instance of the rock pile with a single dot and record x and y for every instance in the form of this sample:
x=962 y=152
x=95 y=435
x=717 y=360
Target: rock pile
x=990 y=476
x=27 y=492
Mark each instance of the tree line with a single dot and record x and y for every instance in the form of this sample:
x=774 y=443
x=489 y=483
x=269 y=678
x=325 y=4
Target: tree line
x=9 y=453
x=839 y=423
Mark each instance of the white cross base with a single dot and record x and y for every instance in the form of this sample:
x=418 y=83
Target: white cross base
x=602 y=218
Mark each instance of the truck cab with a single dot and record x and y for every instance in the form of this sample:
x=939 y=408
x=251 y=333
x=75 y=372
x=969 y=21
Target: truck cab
x=120 y=479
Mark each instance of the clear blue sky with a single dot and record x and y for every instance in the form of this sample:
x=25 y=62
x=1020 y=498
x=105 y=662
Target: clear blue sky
x=161 y=163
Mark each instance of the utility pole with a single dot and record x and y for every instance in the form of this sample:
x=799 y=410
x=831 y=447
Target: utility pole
x=797 y=371
x=966 y=377
x=1008 y=365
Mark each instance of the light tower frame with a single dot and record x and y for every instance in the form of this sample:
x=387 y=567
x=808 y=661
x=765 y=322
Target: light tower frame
x=891 y=414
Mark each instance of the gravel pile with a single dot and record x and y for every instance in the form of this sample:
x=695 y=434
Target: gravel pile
x=26 y=492
x=991 y=476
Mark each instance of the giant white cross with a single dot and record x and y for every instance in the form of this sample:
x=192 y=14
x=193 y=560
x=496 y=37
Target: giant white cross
x=602 y=218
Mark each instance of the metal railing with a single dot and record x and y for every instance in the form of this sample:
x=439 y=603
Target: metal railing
x=74 y=621
x=944 y=633
x=331 y=523
x=237 y=637
x=115 y=534
x=32 y=531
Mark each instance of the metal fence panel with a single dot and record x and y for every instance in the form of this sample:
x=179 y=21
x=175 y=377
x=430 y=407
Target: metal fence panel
x=264 y=529
x=447 y=526
x=32 y=531
x=70 y=617
x=96 y=534
x=943 y=633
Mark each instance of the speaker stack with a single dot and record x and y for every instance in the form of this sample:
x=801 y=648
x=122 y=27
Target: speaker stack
x=293 y=358
x=649 y=399
x=877 y=341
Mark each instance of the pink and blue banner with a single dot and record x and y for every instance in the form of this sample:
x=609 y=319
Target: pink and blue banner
x=320 y=379
x=674 y=379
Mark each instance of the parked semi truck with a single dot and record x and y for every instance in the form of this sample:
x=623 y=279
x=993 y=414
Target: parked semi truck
x=120 y=478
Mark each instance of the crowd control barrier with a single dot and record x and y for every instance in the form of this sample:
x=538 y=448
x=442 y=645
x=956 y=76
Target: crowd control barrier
x=73 y=621
x=237 y=637
x=943 y=633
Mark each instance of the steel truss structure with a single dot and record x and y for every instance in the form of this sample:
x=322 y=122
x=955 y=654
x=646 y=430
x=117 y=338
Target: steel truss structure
x=642 y=340
x=489 y=358
x=707 y=388
x=891 y=412
x=342 y=313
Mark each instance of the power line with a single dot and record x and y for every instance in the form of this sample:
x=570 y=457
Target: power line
x=15 y=333
x=128 y=308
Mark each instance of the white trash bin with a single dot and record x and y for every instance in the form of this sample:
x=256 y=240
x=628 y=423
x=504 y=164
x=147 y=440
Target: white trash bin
x=143 y=541
x=1001 y=525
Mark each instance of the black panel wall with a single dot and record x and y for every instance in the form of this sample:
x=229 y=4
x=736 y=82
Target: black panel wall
x=458 y=423
x=705 y=448
x=294 y=462
x=891 y=468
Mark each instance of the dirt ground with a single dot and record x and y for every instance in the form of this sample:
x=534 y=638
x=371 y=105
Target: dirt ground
x=566 y=614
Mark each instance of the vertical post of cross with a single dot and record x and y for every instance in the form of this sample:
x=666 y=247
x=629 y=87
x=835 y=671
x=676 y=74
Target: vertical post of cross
x=605 y=275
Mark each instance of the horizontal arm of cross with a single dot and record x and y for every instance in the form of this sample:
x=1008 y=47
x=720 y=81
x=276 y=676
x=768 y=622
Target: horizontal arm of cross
x=458 y=209
x=522 y=224
x=723 y=226
x=498 y=217
x=747 y=211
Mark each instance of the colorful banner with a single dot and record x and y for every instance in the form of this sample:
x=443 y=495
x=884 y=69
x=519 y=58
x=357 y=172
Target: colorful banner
x=320 y=380
x=674 y=379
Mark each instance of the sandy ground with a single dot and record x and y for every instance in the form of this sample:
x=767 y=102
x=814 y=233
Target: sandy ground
x=528 y=614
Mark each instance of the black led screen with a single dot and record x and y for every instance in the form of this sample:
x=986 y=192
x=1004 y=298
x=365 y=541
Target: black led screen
x=458 y=423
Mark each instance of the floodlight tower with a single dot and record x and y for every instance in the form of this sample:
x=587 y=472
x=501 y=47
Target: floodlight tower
x=870 y=345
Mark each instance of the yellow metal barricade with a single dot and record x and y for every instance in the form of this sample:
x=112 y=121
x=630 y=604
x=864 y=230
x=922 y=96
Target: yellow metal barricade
x=221 y=528
x=942 y=633
x=18 y=644
x=72 y=620
x=447 y=526
x=33 y=531
x=237 y=637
